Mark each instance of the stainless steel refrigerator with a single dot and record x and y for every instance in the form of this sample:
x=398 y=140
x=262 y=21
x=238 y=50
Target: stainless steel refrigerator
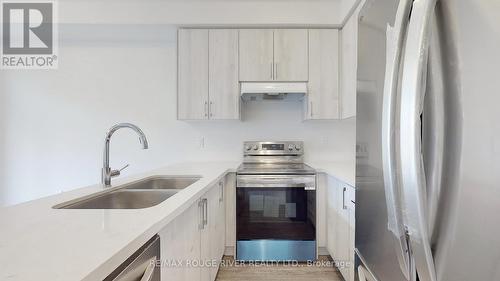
x=428 y=124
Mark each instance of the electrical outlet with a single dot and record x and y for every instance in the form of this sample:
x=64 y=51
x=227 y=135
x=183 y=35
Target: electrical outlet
x=202 y=142
x=362 y=150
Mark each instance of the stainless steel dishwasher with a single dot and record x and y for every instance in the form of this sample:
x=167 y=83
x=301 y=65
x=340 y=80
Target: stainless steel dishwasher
x=141 y=266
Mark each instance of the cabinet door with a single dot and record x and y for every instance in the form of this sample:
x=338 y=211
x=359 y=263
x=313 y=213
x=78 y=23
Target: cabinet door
x=171 y=250
x=221 y=220
x=352 y=229
x=331 y=210
x=323 y=87
x=180 y=244
x=217 y=226
x=256 y=54
x=192 y=92
x=206 y=247
x=349 y=61
x=211 y=243
x=224 y=95
x=230 y=200
x=343 y=233
x=290 y=55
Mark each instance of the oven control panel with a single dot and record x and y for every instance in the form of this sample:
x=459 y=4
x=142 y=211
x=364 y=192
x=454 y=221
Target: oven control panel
x=273 y=148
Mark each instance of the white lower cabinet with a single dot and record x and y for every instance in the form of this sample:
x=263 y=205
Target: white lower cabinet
x=352 y=231
x=180 y=246
x=230 y=200
x=192 y=245
x=341 y=225
x=213 y=233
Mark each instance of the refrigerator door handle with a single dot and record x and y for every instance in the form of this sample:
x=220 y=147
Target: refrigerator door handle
x=434 y=142
x=410 y=138
x=394 y=50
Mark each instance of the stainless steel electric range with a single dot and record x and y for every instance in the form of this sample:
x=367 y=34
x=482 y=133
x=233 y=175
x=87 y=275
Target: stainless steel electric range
x=275 y=203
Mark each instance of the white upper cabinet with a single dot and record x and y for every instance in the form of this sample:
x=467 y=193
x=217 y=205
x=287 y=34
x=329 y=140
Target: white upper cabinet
x=349 y=65
x=213 y=62
x=256 y=55
x=273 y=55
x=208 y=86
x=290 y=55
x=323 y=99
x=224 y=95
x=192 y=97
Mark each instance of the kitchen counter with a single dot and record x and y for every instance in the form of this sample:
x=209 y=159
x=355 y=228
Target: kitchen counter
x=343 y=171
x=38 y=242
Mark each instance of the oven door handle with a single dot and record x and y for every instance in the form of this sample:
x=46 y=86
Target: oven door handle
x=265 y=181
x=306 y=187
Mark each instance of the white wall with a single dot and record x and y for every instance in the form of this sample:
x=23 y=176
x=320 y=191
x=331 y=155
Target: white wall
x=3 y=146
x=53 y=122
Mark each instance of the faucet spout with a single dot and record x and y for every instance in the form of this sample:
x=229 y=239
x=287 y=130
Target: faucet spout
x=107 y=172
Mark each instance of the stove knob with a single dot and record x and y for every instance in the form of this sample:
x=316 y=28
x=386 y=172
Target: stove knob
x=255 y=147
x=297 y=147
x=247 y=147
x=290 y=147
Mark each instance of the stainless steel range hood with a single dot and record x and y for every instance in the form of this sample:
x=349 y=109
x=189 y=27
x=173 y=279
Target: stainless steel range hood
x=256 y=91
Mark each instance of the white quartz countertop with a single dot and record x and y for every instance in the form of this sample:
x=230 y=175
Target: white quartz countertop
x=38 y=242
x=343 y=171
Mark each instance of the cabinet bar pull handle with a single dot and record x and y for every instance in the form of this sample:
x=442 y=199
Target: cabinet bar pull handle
x=272 y=71
x=210 y=109
x=311 y=108
x=343 y=199
x=206 y=109
x=205 y=212
x=276 y=72
x=221 y=185
x=202 y=214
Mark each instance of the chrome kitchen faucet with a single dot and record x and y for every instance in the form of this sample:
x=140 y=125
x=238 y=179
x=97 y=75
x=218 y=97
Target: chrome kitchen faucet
x=107 y=172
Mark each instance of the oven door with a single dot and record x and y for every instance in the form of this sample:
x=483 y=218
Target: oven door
x=276 y=217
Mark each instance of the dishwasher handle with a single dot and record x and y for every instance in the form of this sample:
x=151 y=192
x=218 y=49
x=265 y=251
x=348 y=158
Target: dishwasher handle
x=141 y=265
x=150 y=271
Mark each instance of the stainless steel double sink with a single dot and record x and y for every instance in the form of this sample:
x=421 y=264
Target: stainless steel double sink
x=137 y=195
